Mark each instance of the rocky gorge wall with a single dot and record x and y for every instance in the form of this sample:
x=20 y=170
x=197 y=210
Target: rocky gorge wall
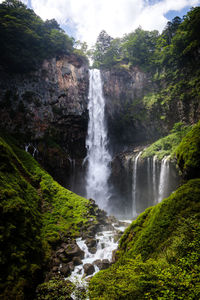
x=47 y=109
x=141 y=109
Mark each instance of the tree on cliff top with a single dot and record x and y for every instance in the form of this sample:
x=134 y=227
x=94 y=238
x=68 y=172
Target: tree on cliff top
x=26 y=40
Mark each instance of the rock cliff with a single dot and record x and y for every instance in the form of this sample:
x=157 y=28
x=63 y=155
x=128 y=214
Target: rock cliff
x=141 y=108
x=48 y=109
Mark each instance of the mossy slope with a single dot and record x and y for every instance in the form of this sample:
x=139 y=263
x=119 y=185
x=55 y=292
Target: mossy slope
x=36 y=213
x=159 y=253
x=188 y=153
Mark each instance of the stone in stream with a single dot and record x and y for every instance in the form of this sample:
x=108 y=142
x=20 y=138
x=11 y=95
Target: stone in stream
x=73 y=250
x=93 y=250
x=90 y=242
x=88 y=269
x=102 y=264
x=77 y=261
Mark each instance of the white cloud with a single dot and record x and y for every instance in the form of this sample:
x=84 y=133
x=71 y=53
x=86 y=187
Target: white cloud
x=117 y=17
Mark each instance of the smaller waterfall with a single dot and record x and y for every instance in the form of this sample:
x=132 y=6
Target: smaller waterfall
x=164 y=178
x=154 y=178
x=134 y=184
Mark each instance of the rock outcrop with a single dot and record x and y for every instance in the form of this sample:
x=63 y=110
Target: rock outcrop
x=48 y=109
x=141 y=109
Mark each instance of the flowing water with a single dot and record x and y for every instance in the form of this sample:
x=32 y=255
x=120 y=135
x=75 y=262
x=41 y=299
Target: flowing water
x=134 y=183
x=98 y=156
x=164 y=178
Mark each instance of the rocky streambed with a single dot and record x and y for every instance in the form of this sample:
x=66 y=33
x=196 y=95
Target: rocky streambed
x=79 y=259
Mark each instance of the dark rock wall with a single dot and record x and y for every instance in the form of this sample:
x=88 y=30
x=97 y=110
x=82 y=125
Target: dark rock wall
x=131 y=120
x=48 y=109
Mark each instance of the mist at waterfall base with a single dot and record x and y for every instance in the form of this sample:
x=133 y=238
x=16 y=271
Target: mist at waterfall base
x=139 y=183
x=123 y=187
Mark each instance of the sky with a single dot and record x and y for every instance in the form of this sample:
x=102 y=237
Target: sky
x=84 y=19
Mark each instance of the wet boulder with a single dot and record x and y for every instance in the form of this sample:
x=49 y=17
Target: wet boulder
x=102 y=264
x=65 y=270
x=73 y=250
x=77 y=261
x=88 y=269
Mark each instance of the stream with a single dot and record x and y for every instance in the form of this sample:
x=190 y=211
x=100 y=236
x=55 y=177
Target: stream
x=106 y=243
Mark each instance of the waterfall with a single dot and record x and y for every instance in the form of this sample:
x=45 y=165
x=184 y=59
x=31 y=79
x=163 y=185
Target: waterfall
x=154 y=178
x=98 y=156
x=164 y=178
x=134 y=184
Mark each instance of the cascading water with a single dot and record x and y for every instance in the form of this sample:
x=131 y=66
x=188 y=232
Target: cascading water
x=164 y=176
x=134 y=183
x=98 y=156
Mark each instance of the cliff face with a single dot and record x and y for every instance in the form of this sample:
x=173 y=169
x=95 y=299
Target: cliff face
x=49 y=109
x=122 y=89
x=141 y=109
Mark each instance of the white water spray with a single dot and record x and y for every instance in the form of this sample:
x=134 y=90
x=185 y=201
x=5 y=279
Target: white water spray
x=134 y=183
x=164 y=177
x=98 y=156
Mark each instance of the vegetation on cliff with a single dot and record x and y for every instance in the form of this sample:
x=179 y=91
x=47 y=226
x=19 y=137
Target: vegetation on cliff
x=26 y=40
x=187 y=153
x=36 y=214
x=167 y=145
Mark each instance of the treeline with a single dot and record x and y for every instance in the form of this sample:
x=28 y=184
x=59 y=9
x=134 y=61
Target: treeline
x=26 y=40
x=177 y=46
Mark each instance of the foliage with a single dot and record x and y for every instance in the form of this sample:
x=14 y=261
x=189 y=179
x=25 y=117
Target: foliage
x=26 y=40
x=158 y=256
x=176 y=47
x=55 y=288
x=167 y=145
x=188 y=153
x=36 y=214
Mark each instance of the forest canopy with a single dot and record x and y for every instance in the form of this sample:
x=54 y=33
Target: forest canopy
x=26 y=40
x=178 y=45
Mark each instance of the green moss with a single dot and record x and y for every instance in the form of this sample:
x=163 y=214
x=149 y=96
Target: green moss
x=187 y=153
x=36 y=213
x=159 y=254
x=167 y=145
x=56 y=288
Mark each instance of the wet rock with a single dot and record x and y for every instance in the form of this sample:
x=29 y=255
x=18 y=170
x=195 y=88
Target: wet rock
x=73 y=250
x=71 y=266
x=60 y=251
x=56 y=262
x=105 y=264
x=93 y=250
x=114 y=256
x=88 y=269
x=97 y=263
x=102 y=264
x=77 y=261
x=90 y=242
x=63 y=258
x=65 y=270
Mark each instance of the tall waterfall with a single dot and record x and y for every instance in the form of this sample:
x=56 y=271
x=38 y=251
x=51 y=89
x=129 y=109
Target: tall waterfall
x=98 y=156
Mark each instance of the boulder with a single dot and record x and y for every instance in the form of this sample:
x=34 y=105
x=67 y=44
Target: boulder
x=73 y=250
x=102 y=264
x=65 y=270
x=88 y=269
x=93 y=250
x=90 y=242
x=77 y=261
x=105 y=264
